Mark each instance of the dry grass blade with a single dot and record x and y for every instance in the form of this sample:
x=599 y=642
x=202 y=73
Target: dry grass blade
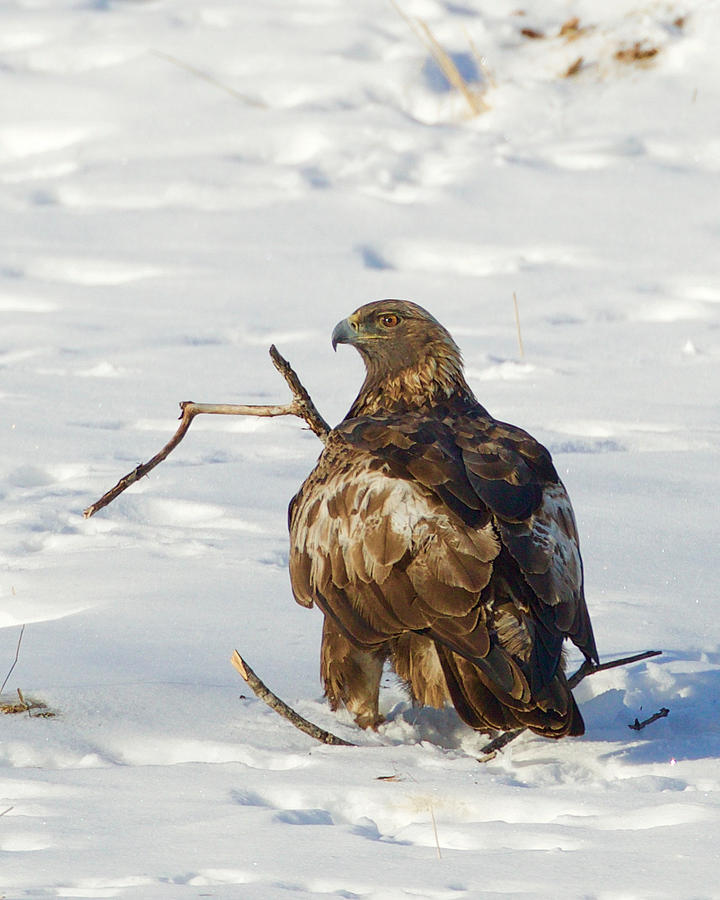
x=198 y=73
x=443 y=59
x=17 y=656
x=435 y=831
x=517 y=323
x=451 y=72
x=482 y=63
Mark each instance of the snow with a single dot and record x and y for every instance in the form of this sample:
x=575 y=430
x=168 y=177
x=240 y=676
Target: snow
x=183 y=183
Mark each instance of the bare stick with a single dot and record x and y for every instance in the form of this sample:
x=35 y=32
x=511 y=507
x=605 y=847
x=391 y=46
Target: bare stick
x=17 y=656
x=638 y=726
x=302 y=403
x=489 y=751
x=301 y=406
x=6 y=811
x=590 y=668
x=262 y=692
x=517 y=323
x=587 y=668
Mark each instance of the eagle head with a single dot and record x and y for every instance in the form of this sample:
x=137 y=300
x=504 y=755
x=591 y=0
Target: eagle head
x=410 y=358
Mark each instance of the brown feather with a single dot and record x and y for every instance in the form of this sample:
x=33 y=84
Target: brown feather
x=416 y=661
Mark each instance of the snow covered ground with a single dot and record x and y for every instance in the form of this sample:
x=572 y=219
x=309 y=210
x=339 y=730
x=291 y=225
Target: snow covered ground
x=183 y=182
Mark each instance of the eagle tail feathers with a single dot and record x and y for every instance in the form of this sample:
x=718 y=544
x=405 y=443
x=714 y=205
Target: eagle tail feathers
x=552 y=712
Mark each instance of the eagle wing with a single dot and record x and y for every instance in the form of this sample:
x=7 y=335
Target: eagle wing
x=514 y=475
x=453 y=527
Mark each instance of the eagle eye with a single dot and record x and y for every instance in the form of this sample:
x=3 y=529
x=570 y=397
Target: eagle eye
x=389 y=320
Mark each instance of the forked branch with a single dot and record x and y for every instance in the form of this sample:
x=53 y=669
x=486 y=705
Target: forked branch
x=301 y=406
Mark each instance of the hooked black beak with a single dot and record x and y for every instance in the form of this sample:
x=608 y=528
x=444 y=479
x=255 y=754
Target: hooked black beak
x=343 y=333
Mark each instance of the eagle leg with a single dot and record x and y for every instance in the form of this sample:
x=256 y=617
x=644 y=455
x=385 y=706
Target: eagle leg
x=351 y=676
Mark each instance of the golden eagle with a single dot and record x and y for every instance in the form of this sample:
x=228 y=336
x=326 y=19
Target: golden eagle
x=433 y=536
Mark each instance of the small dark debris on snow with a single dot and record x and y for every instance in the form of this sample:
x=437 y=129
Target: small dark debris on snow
x=571 y=29
x=637 y=725
x=639 y=52
x=574 y=68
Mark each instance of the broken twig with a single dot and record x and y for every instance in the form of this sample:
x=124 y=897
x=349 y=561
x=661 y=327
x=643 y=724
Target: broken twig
x=638 y=726
x=587 y=668
x=263 y=692
x=301 y=406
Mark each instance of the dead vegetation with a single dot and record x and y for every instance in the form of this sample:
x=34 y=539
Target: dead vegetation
x=35 y=709
x=571 y=30
x=600 y=56
x=574 y=68
x=472 y=93
x=638 y=53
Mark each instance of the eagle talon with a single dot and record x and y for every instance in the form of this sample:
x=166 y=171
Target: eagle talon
x=369 y=721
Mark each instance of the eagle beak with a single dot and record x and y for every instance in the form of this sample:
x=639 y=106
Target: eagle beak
x=343 y=333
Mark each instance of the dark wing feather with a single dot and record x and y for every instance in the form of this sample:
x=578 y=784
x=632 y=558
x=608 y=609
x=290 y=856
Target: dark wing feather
x=514 y=475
